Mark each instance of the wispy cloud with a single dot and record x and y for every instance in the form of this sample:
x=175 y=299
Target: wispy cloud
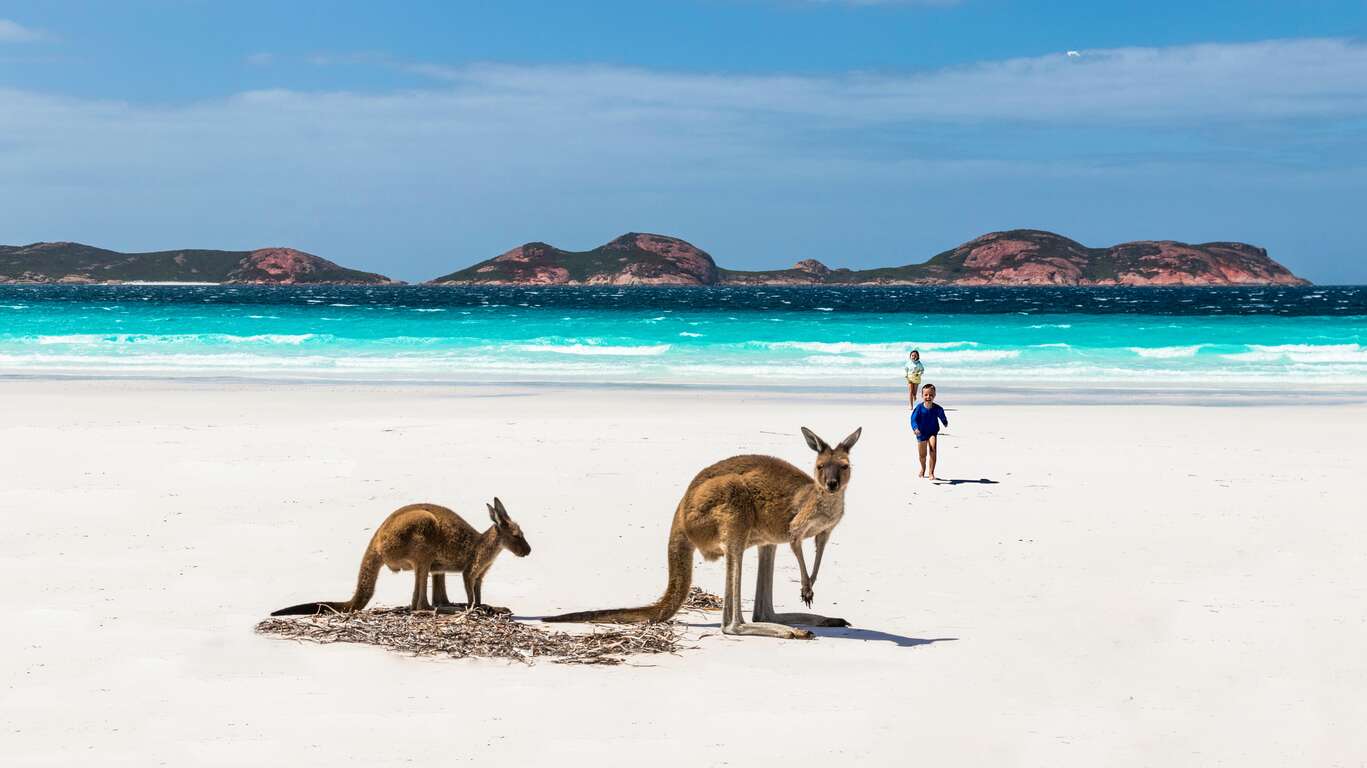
x=492 y=150
x=13 y=32
x=260 y=58
x=769 y=124
x=1274 y=80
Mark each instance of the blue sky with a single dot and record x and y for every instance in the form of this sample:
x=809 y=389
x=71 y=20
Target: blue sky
x=421 y=139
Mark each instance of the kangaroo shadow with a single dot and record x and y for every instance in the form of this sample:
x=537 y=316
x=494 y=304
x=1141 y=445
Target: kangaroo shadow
x=849 y=633
x=956 y=481
x=855 y=633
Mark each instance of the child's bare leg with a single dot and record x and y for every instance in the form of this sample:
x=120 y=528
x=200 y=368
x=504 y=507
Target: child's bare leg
x=912 y=387
x=932 y=443
x=921 y=454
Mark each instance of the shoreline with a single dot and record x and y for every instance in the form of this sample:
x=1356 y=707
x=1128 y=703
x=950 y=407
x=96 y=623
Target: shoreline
x=1158 y=395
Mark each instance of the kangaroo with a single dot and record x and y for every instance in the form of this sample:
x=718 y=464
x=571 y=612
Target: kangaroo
x=426 y=538
x=747 y=501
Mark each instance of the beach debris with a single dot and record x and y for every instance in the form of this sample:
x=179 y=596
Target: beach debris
x=701 y=600
x=480 y=633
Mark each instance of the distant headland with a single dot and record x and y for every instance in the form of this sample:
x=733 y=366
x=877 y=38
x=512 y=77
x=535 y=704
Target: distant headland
x=74 y=263
x=1017 y=257
x=1022 y=257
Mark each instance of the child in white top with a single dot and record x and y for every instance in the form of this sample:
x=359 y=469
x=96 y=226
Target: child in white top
x=914 y=371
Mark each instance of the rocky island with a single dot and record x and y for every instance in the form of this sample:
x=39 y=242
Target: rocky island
x=77 y=263
x=1015 y=257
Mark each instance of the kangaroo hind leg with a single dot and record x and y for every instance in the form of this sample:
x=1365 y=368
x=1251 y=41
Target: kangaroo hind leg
x=420 y=588
x=479 y=598
x=764 y=598
x=733 y=619
x=439 y=598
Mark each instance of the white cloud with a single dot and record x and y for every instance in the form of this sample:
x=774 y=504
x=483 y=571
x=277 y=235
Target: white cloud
x=504 y=150
x=1273 y=79
x=13 y=32
x=260 y=59
x=550 y=116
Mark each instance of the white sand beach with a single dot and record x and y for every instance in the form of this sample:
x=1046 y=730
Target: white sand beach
x=1119 y=585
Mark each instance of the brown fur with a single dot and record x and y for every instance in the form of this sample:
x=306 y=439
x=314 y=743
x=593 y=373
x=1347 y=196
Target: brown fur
x=738 y=503
x=427 y=538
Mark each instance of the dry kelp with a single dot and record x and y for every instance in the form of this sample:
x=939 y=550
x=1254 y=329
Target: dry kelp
x=476 y=634
x=698 y=600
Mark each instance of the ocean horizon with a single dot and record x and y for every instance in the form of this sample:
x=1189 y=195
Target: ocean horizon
x=1197 y=338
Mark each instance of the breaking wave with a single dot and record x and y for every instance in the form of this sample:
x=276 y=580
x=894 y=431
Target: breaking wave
x=605 y=350
x=1167 y=352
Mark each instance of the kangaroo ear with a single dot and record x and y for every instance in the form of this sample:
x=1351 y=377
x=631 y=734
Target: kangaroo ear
x=814 y=442
x=848 y=443
x=500 y=514
x=493 y=515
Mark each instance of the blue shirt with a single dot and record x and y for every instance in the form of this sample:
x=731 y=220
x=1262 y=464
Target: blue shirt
x=927 y=420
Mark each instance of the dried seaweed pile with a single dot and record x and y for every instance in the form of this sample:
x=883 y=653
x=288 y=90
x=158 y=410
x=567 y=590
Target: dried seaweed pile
x=698 y=600
x=476 y=634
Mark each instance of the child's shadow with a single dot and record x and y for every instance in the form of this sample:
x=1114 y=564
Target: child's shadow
x=952 y=481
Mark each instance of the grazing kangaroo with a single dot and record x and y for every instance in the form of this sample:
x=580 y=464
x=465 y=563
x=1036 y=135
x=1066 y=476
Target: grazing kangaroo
x=426 y=538
x=747 y=501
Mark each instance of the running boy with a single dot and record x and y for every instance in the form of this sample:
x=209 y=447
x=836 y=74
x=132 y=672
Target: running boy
x=925 y=424
x=914 y=371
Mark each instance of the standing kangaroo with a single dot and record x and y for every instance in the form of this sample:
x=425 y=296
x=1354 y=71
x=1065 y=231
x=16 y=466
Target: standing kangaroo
x=426 y=538
x=747 y=501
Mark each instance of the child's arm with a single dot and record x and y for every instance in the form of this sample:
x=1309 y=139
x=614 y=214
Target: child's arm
x=915 y=430
x=944 y=418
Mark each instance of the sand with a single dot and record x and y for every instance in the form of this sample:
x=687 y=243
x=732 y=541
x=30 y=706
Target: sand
x=1120 y=584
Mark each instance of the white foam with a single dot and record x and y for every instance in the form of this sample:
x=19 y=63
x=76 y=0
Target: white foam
x=1301 y=353
x=977 y=355
x=90 y=339
x=1168 y=352
x=269 y=338
x=648 y=350
x=70 y=338
x=882 y=351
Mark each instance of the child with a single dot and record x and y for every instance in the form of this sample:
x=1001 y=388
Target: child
x=925 y=424
x=914 y=371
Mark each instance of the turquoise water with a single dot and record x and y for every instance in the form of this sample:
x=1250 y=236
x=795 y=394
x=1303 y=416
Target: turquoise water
x=803 y=336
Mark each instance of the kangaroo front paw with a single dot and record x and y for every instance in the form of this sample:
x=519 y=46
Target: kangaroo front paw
x=807 y=596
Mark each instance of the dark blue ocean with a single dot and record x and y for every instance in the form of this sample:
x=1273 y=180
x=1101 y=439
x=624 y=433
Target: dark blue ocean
x=1189 y=337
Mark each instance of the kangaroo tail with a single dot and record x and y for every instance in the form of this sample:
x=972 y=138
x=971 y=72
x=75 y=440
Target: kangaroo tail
x=365 y=589
x=680 y=579
x=309 y=609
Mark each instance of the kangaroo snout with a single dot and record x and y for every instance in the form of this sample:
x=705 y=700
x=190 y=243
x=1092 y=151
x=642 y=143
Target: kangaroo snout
x=831 y=485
